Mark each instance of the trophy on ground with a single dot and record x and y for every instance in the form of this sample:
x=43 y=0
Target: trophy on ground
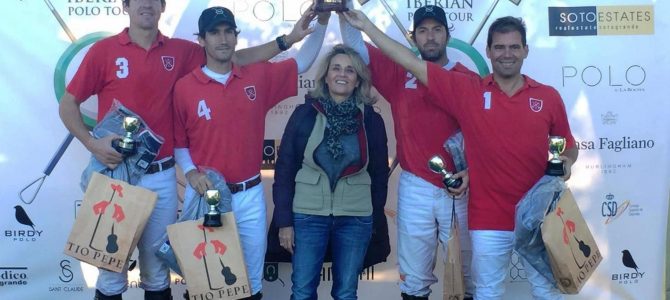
x=436 y=164
x=126 y=145
x=555 y=165
x=330 y=5
x=213 y=216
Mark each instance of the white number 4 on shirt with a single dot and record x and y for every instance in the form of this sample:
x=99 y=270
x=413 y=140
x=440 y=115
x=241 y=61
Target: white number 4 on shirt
x=203 y=110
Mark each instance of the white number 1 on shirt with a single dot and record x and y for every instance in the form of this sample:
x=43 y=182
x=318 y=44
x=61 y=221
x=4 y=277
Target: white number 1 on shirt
x=203 y=110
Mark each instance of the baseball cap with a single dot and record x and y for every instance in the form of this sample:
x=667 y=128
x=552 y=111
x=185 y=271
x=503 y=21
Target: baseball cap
x=214 y=16
x=430 y=11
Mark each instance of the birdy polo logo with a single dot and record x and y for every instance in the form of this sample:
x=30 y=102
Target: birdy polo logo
x=535 y=104
x=168 y=62
x=629 y=277
x=601 y=20
x=251 y=92
x=23 y=235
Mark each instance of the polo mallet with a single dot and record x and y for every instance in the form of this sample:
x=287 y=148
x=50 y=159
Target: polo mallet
x=68 y=139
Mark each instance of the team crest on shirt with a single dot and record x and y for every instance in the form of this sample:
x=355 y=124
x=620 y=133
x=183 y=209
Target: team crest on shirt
x=251 y=92
x=168 y=62
x=535 y=104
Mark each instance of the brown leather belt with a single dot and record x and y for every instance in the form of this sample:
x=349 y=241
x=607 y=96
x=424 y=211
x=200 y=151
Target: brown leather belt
x=243 y=186
x=160 y=166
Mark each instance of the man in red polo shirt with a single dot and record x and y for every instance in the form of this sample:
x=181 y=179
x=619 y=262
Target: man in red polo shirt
x=421 y=128
x=220 y=122
x=139 y=67
x=506 y=119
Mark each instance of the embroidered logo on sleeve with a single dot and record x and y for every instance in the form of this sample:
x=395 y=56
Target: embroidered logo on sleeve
x=535 y=104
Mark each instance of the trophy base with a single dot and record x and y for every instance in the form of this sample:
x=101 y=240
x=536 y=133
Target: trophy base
x=125 y=148
x=326 y=7
x=212 y=221
x=452 y=183
x=555 y=169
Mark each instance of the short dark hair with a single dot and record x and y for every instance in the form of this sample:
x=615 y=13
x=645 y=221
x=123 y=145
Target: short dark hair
x=127 y=2
x=505 y=25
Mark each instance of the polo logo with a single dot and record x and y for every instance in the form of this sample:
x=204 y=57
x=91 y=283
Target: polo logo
x=168 y=62
x=251 y=92
x=535 y=104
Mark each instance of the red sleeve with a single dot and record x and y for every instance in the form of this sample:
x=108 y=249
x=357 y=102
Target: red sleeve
x=180 y=112
x=387 y=76
x=450 y=90
x=283 y=81
x=560 y=125
x=89 y=78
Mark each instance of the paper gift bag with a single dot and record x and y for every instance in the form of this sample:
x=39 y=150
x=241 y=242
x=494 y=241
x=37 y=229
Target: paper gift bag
x=211 y=259
x=110 y=221
x=454 y=287
x=572 y=251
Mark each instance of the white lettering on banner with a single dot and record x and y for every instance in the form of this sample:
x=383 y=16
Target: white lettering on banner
x=580 y=17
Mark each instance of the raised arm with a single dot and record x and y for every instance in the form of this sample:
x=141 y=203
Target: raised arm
x=352 y=37
x=310 y=49
x=394 y=50
x=269 y=50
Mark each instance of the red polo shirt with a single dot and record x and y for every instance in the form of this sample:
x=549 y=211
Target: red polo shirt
x=506 y=138
x=142 y=80
x=421 y=128
x=223 y=125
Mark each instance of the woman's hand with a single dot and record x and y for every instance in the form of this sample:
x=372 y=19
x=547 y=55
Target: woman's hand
x=286 y=238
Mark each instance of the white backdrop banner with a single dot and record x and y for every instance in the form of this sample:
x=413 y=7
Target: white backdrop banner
x=606 y=58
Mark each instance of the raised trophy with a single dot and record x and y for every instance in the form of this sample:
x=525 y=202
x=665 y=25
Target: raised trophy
x=213 y=216
x=555 y=165
x=126 y=145
x=436 y=164
x=330 y=5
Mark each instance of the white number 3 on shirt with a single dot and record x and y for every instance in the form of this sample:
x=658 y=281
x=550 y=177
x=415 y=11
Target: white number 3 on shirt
x=122 y=63
x=203 y=110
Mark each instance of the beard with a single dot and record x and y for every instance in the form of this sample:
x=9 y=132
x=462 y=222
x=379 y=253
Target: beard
x=432 y=55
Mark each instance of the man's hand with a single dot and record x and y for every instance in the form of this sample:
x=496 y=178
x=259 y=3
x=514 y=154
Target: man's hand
x=103 y=151
x=301 y=28
x=567 y=166
x=286 y=238
x=356 y=19
x=464 y=186
x=199 y=181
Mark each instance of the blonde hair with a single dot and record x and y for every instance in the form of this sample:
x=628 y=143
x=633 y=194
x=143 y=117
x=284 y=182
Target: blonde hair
x=361 y=92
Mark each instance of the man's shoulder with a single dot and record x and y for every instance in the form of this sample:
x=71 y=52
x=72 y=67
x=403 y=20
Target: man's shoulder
x=460 y=68
x=541 y=87
x=188 y=80
x=182 y=43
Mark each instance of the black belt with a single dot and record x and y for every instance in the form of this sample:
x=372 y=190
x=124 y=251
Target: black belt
x=243 y=186
x=160 y=166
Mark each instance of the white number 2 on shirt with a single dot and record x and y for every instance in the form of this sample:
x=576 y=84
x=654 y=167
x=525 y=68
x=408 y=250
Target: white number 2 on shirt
x=203 y=110
x=122 y=63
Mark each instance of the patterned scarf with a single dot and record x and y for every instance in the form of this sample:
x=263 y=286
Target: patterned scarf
x=341 y=120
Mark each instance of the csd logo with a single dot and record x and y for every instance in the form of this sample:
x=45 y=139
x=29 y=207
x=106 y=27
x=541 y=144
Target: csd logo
x=66 y=272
